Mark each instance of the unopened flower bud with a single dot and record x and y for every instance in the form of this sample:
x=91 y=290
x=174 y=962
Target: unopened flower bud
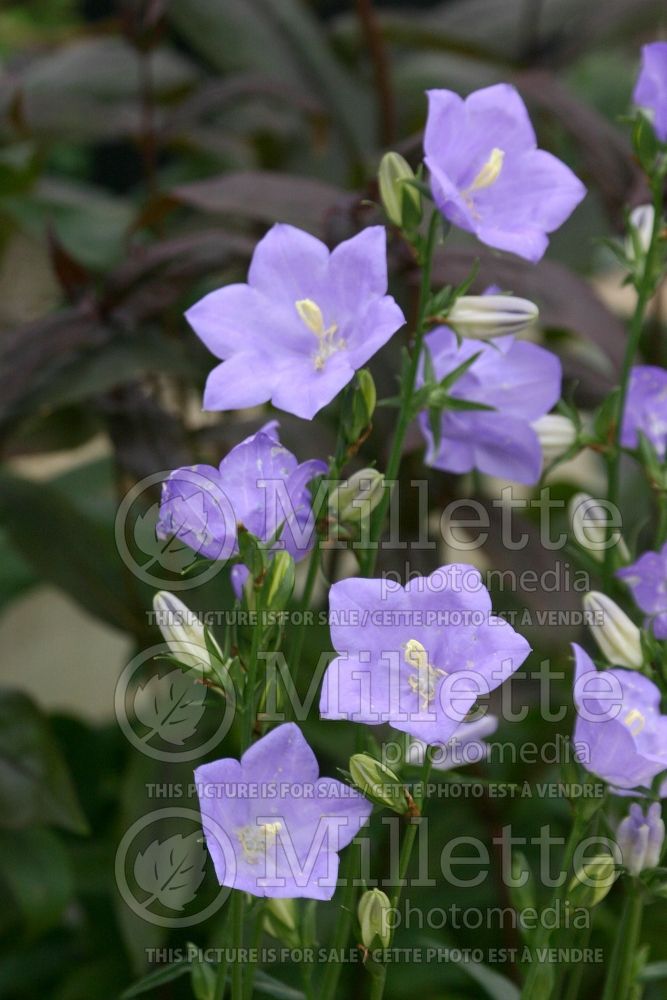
x=593 y=527
x=556 y=434
x=481 y=317
x=638 y=239
x=281 y=920
x=378 y=782
x=279 y=582
x=359 y=405
x=373 y=913
x=617 y=636
x=592 y=881
x=640 y=838
x=401 y=199
x=355 y=498
x=182 y=630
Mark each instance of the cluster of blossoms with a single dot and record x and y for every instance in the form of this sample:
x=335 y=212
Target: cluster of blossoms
x=417 y=658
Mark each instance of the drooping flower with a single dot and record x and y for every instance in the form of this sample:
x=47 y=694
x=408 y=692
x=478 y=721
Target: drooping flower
x=646 y=408
x=640 y=838
x=521 y=381
x=647 y=579
x=467 y=745
x=273 y=827
x=651 y=87
x=489 y=177
x=418 y=656
x=619 y=733
x=259 y=485
x=303 y=324
x=617 y=636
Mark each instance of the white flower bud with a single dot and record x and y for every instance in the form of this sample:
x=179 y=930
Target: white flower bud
x=617 y=636
x=593 y=527
x=182 y=630
x=556 y=434
x=483 y=316
x=641 y=231
x=373 y=913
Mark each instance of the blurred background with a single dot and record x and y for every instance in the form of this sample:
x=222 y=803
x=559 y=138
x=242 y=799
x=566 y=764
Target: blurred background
x=145 y=147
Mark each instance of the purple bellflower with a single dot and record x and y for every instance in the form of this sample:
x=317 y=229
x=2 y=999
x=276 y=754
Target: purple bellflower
x=646 y=408
x=273 y=827
x=619 y=733
x=259 y=485
x=418 y=656
x=303 y=324
x=647 y=579
x=489 y=177
x=520 y=380
x=651 y=87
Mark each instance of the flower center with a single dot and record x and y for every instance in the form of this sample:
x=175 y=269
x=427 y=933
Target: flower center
x=255 y=839
x=311 y=314
x=426 y=674
x=635 y=721
x=489 y=173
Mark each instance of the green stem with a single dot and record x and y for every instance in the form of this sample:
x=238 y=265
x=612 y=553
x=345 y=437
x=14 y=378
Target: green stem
x=407 y=391
x=620 y=973
x=380 y=976
x=300 y=631
x=238 y=904
x=343 y=924
x=221 y=975
x=254 y=945
x=645 y=289
x=542 y=938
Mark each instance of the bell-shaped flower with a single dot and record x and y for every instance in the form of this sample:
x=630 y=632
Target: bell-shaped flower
x=647 y=579
x=620 y=734
x=489 y=177
x=259 y=485
x=306 y=320
x=273 y=827
x=646 y=408
x=650 y=90
x=515 y=383
x=419 y=656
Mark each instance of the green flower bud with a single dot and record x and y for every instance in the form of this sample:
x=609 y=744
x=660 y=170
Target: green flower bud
x=401 y=200
x=356 y=498
x=377 y=782
x=373 y=913
x=279 y=582
x=592 y=881
x=281 y=921
x=358 y=406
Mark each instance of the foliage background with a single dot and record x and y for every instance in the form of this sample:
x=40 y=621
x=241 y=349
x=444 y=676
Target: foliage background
x=145 y=148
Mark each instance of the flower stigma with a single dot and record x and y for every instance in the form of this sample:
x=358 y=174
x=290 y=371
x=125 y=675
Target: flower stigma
x=311 y=314
x=255 y=840
x=427 y=675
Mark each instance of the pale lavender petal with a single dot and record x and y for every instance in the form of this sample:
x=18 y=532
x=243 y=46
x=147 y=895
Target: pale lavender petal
x=651 y=87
